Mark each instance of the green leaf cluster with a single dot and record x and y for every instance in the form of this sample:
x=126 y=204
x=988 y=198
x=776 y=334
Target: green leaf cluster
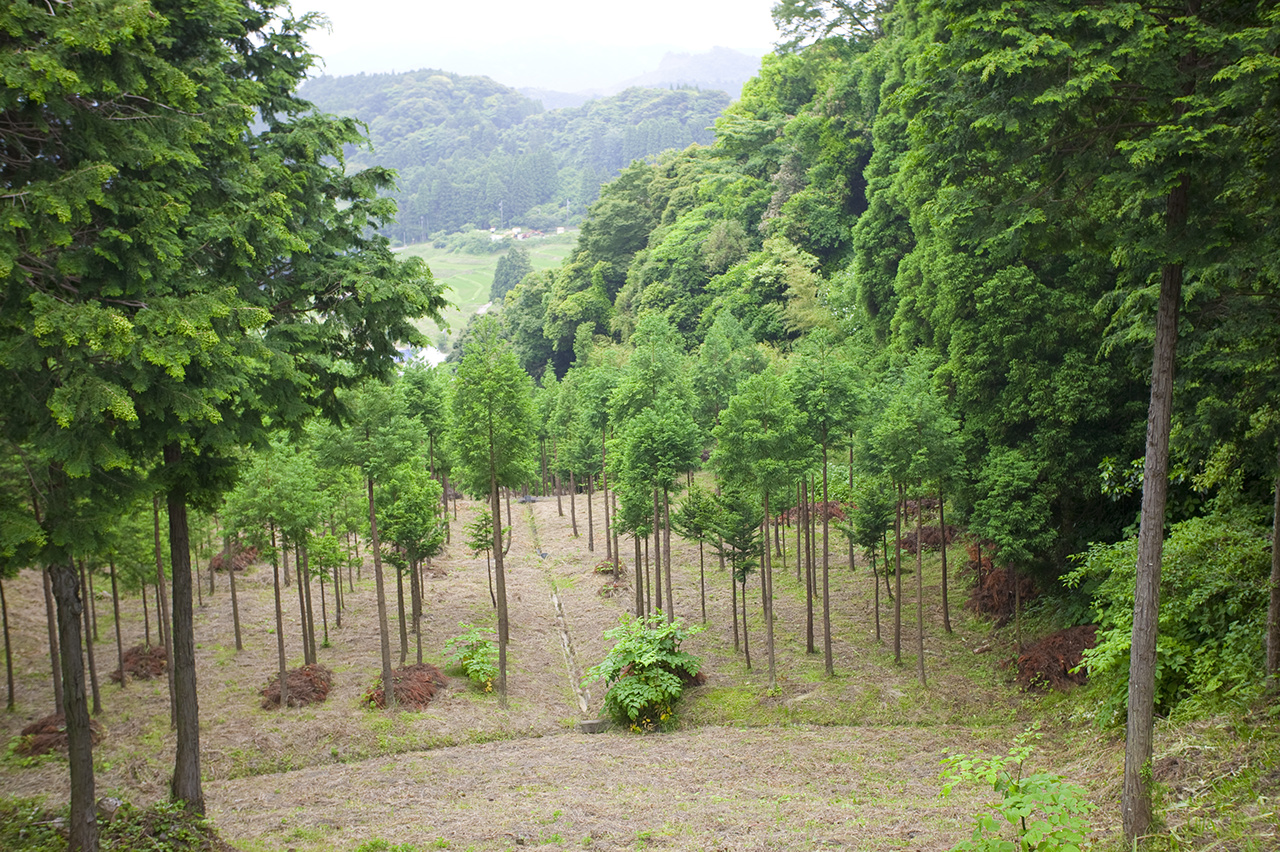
x=646 y=671
x=475 y=653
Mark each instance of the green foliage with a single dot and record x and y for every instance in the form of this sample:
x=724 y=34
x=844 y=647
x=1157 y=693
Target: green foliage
x=645 y=670
x=1213 y=608
x=511 y=269
x=476 y=654
x=26 y=826
x=1043 y=812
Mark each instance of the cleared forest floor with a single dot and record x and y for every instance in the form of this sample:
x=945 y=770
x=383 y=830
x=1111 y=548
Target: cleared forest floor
x=844 y=762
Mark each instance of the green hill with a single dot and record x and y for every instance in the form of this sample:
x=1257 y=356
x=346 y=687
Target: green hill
x=472 y=151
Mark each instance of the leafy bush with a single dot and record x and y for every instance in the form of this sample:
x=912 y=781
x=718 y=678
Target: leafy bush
x=476 y=654
x=1213 y=605
x=1042 y=811
x=646 y=671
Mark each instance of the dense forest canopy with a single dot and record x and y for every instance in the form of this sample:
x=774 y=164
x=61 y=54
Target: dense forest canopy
x=470 y=151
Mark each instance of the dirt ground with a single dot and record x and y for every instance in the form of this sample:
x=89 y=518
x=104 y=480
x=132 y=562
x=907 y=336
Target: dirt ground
x=850 y=761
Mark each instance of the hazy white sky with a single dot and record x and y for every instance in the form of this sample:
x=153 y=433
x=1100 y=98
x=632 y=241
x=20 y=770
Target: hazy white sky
x=567 y=44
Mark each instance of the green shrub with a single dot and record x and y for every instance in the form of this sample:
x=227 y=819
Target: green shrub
x=476 y=654
x=1041 y=811
x=1213 y=605
x=646 y=670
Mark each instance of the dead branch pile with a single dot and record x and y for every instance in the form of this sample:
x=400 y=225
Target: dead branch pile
x=44 y=735
x=414 y=686
x=307 y=685
x=241 y=558
x=995 y=594
x=833 y=509
x=143 y=662
x=931 y=536
x=1049 y=663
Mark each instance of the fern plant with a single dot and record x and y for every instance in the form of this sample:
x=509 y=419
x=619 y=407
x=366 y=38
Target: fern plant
x=646 y=671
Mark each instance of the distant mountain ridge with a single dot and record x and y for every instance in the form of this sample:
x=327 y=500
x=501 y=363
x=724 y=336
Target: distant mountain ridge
x=471 y=151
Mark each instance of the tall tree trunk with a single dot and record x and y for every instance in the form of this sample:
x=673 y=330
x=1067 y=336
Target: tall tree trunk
x=55 y=657
x=146 y=615
x=799 y=529
x=93 y=605
x=766 y=593
x=302 y=607
x=604 y=489
x=573 y=504
x=559 y=486
x=231 y=579
x=163 y=624
x=666 y=555
x=733 y=590
x=702 y=580
x=324 y=614
x=1273 y=606
x=826 y=567
x=657 y=552
x=115 y=609
x=617 y=556
x=920 y=592
x=500 y=577
x=83 y=825
x=810 y=561
x=404 y=629
x=281 y=661
x=1136 y=798
x=304 y=577
x=542 y=448
x=8 y=648
x=746 y=641
x=875 y=589
x=415 y=595
x=897 y=579
x=942 y=532
x=444 y=495
x=591 y=524
x=384 y=636
x=88 y=644
x=186 y=785
x=639 y=577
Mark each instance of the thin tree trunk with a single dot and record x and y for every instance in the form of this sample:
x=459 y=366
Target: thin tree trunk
x=639 y=577
x=115 y=609
x=657 y=551
x=573 y=504
x=302 y=606
x=591 y=524
x=415 y=595
x=897 y=579
x=766 y=593
x=404 y=628
x=93 y=606
x=186 y=785
x=666 y=555
x=324 y=614
x=88 y=644
x=283 y=664
x=54 y=656
x=1136 y=798
x=604 y=488
x=617 y=556
x=826 y=567
x=702 y=580
x=8 y=648
x=648 y=580
x=231 y=579
x=501 y=581
x=746 y=641
x=163 y=624
x=1273 y=605
x=810 y=562
x=799 y=528
x=542 y=446
x=384 y=636
x=448 y=528
x=942 y=531
x=920 y=593
x=559 y=486
x=146 y=615
x=733 y=588
x=82 y=825
x=303 y=563
x=337 y=596
x=875 y=588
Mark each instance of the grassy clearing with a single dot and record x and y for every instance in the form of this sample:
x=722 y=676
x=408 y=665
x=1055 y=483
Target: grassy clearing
x=469 y=276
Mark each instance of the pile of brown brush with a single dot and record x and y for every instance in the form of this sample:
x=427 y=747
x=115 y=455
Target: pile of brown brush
x=143 y=662
x=45 y=735
x=1054 y=662
x=241 y=558
x=307 y=685
x=414 y=687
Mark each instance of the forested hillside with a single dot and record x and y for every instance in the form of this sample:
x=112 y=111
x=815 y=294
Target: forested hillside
x=471 y=151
